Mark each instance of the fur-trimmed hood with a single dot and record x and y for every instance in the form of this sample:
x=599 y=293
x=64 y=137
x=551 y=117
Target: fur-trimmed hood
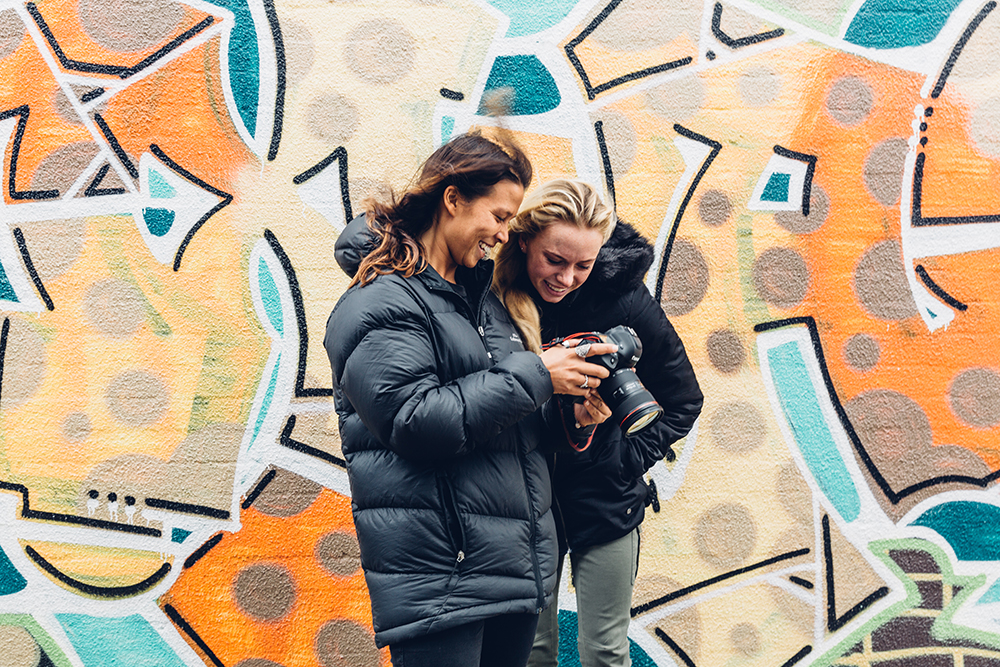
x=623 y=261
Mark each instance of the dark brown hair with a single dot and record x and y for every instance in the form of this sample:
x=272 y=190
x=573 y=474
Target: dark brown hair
x=470 y=162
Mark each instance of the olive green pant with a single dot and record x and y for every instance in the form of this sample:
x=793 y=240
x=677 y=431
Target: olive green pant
x=603 y=576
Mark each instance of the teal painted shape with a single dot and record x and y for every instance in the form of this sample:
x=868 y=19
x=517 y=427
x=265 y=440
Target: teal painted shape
x=447 y=128
x=534 y=88
x=891 y=24
x=178 y=535
x=527 y=18
x=158 y=220
x=117 y=642
x=270 y=297
x=972 y=529
x=158 y=186
x=569 y=656
x=7 y=292
x=991 y=595
x=265 y=404
x=801 y=408
x=244 y=62
x=777 y=187
x=11 y=581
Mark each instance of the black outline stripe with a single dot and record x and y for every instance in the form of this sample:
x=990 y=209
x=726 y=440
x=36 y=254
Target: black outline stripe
x=186 y=628
x=804 y=583
x=678 y=651
x=113 y=70
x=133 y=171
x=659 y=602
x=187 y=508
x=916 y=213
x=810 y=161
x=259 y=488
x=741 y=41
x=94 y=191
x=201 y=551
x=98 y=591
x=340 y=156
x=30 y=266
x=959 y=45
x=834 y=622
x=716 y=147
x=300 y=319
x=91 y=95
x=22 y=112
x=609 y=175
x=802 y=652
x=28 y=513
x=279 y=93
x=451 y=94
x=285 y=439
x=592 y=90
x=938 y=290
x=891 y=495
x=226 y=199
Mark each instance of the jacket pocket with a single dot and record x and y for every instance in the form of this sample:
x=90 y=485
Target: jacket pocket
x=452 y=521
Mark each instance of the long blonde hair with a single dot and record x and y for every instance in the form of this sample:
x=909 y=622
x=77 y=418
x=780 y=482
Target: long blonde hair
x=558 y=200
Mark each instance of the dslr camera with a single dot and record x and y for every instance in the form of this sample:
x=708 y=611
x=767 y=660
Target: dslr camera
x=632 y=405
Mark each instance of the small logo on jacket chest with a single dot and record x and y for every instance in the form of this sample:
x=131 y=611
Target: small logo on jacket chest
x=514 y=337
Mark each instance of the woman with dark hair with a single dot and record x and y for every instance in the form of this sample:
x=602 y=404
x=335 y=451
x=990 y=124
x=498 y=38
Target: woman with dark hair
x=441 y=414
x=569 y=268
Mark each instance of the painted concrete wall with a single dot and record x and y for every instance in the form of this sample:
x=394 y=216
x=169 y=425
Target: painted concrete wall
x=820 y=179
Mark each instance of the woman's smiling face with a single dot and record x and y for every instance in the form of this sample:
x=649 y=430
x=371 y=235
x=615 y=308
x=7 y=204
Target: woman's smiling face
x=560 y=258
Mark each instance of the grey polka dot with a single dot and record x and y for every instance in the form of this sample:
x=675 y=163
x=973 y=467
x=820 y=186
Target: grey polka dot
x=333 y=118
x=678 y=100
x=714 y=208
x=380 y=51
x=76 y=427
x=884 y=170
x=794 y=494
x=685 y=281
x=737 y=427
x=258 y=662
x=136 y=398
x=137 y=475
x=888 y=424
x=300 y=50
x=115 y=308
x=849 y=100
x=11 y=32
x=781 y=277
x=620 y=137
x=363 y=188
x=819 y=209
x=60 y=168
x=725 y=350
x=265 y=591
x=861 y=352
x=745 y=638
x=65 y=108
x=339 y=553
x=759 y=86
x=725 y=535
x=130 y=25
x=342 y=642
x=287 y=494
x=880 y=282
x=54 y=245
x=975 y=397
x=18 y=648
x=25 y=364
x=984 y=127
x=684 y=628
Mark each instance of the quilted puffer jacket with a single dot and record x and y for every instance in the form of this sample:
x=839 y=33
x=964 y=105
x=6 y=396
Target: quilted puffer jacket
x=440 y=417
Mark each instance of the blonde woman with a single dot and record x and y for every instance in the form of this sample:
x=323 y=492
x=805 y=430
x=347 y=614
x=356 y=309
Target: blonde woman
x=567 y=268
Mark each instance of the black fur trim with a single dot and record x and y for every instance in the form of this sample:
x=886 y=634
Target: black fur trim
x=623 y=261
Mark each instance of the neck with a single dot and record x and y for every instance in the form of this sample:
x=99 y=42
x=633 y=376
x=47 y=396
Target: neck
x=437 y=255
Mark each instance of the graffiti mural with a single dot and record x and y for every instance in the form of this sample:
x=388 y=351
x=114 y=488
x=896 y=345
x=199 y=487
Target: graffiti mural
x=819 y=181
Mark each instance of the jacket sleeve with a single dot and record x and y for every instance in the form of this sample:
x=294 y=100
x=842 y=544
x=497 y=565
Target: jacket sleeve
x=391 y=380
x=666 y=372
x=353 y=244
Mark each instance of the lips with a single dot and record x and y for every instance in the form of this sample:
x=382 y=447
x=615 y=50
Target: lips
x=558 y=291
x=485 y=249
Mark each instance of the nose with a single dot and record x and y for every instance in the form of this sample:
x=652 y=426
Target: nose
x=565 y=277
x=504 y=233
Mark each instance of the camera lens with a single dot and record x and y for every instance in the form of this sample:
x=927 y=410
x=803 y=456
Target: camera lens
x=632 y=406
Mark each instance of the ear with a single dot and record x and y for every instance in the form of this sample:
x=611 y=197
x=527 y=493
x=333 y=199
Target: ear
x=450 y=199
x=524 y=246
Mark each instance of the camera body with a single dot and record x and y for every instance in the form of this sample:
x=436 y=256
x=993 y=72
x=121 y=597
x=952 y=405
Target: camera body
x=632 y=405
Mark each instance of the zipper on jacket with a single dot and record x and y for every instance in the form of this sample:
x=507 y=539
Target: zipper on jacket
x=532 y=538
x=453 y=523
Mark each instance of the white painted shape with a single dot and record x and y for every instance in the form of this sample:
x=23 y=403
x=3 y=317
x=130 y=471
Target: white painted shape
x=189 y=204
x=669 y=481
x=694 y=154
x=322 y=194
x=779 y=164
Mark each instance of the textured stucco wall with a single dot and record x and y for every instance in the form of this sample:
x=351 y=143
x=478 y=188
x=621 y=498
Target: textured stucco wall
x=819 y=179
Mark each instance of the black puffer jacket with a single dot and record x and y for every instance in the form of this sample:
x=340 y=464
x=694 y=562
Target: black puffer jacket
x=439 y=421
x=600 y=492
